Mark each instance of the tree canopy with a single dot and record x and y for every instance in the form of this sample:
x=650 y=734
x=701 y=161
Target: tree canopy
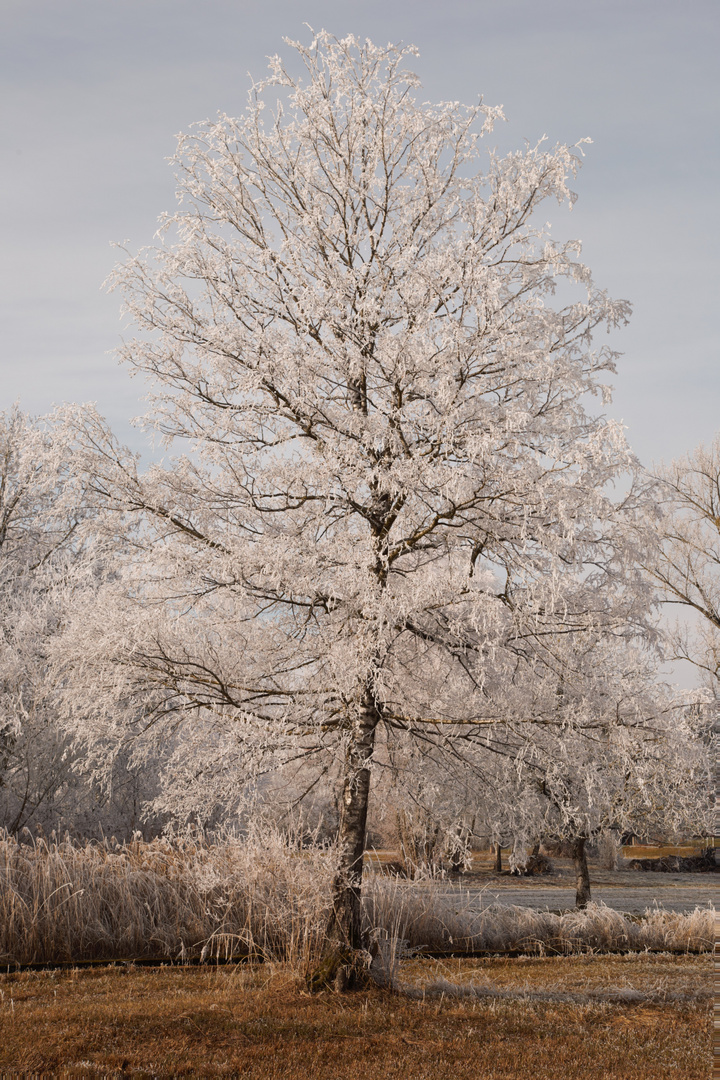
x=391 y=494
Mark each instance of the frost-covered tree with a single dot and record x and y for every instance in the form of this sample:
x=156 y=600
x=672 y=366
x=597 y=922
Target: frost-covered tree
x=387 y=463
x=41 y=508
x=577 y=736
x=594 y=742
x=47 y=560
x=687 y=563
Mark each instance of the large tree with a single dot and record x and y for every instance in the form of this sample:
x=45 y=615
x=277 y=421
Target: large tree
x=390 y=472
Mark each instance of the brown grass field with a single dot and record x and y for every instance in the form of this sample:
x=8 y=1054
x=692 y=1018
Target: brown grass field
x=258 y=1021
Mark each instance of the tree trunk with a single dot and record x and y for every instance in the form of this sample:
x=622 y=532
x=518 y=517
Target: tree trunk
x=344 y=935
x=345 y=927
x=582 y=875
x=498 y=858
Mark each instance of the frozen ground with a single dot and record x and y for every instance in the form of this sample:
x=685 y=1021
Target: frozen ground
x=631 y=891
x=675 y=897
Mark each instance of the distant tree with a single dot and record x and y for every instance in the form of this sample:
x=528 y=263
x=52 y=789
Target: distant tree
x=687 y=564
x=610 y=747
x=578 y=736
x=48 y=558
x=41 y=507
x=390 y=473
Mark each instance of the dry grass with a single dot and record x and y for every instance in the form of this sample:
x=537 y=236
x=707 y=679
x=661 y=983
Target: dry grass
x=658 y=851
x=630 y=979
x=451 y=920
x=257 y=1023
x=267 y=895
x=264 y=895
x=652 y=974
x=484 y=859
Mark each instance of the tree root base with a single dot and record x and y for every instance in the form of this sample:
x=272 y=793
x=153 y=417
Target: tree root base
x=341 y=970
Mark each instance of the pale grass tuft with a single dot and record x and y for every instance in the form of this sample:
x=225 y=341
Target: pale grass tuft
x=614 y=995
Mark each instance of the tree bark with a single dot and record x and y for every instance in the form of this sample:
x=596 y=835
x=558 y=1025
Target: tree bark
x=582 y=874
x=345 y=930
x=342 y=965
x=498 y=858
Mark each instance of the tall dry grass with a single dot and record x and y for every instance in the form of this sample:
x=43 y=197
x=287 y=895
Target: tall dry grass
x=263 y=894
x=269 y=895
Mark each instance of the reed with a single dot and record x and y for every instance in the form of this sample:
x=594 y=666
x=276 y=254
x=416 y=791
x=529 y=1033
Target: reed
x=261 y=895
x=268 y=895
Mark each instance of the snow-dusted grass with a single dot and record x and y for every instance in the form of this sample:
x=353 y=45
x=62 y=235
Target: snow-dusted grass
x=268 y=895
x=442 y=920
x=264 y=894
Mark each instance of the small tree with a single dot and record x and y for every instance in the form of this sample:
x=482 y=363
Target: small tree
x=585 y=737
x=612 y=748
x=389 y=459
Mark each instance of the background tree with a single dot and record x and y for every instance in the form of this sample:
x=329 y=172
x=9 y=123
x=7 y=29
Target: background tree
x=349 y=325
x=41 y=507
x=593 y=741
x=47 y=559
x=578 y=736
x=687 y=567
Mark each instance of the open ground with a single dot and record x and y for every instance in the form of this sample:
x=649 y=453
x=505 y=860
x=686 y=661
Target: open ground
x=623 y=889
x=257 y=1021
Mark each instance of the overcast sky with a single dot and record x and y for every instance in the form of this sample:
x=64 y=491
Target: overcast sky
x=93 y=92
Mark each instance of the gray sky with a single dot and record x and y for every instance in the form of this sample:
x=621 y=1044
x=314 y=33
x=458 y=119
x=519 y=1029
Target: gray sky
x=93 y=92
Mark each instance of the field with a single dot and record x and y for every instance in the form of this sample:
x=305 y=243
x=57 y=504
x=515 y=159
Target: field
x=577 y=994
x=525 y=1018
